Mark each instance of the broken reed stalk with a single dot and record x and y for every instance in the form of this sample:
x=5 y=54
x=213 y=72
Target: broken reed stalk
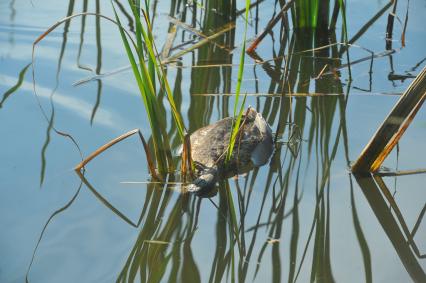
x=270 y=25
x=401 y=173
x=389 y=26
x=237 y=121
x=196 y=32
x=394 y=126
x=187 y=163
x=226 y=28
x=151 y=166
x=171 y=35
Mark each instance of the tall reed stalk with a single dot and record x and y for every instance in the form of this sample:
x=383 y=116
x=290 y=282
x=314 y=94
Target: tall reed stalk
x=147 y=70
x=237 y=123
x=315 y=14
x=305 y=13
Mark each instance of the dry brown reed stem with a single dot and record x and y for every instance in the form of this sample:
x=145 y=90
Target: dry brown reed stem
x=183 y=165
x=173 y=58
x=242 y=11
x=37 y=41
x=401 y=239
x=202 y=42
x=58 y=23
x=192 y=30
x=171 y=35
x=401 y=173
x=321 y=72
x=117 y=140
x=209 y=39
x=404 y=29
x=269 y=26
x=366 y=26
x=389 y=26
x=394 y=126
x=187 y=163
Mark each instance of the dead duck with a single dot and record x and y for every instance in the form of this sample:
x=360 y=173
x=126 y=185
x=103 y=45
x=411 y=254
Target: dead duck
x=253 y=148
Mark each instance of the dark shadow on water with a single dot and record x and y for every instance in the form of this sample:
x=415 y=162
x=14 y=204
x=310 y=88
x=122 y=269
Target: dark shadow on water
x=212 y=80
x=379 y=197
x=53 y=215
x=165 y=239
x=365 y=250
x=105 y=202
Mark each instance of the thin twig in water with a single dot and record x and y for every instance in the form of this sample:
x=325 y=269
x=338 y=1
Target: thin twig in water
x=321 y=72
x=269 y=26
x=389 y=26
x=117 y=140
x=171 y=35
x=405 y=25
x=197 y=45
x=401 y=173
x=367 y=25
x=187 y=27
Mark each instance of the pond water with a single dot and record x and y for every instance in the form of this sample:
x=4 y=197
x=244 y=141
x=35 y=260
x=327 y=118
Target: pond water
x=302 y=217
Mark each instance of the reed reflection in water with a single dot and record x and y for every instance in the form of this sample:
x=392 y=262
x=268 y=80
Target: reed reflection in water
x=277 y=222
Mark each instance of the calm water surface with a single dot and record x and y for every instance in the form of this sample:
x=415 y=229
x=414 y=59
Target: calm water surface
x=302 y=217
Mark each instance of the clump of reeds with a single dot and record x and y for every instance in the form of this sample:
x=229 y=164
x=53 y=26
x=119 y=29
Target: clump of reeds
x=152 y=83
x=237 y=123
x=147 y=70
x=313 y=15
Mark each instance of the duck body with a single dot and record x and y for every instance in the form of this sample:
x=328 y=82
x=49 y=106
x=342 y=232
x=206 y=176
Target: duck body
x=253 y=148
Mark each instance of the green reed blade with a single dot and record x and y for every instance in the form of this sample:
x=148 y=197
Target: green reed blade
x=144 y=35
x=160 y=139
x=145 y=87
x=150 y=44
x=236 y=125
x=136 y=9
x=345 y=34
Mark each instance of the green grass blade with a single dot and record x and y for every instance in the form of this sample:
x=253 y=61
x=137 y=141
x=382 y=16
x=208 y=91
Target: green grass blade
x=345 y=32
x=145 y=88
x=150 y=45
x=237 y=123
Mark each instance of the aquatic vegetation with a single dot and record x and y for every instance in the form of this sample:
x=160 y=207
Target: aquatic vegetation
x=394 y=126
x=281 y=222
x=236 y=127
x=150 y=69
x=14 y=88
x=253 y=148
